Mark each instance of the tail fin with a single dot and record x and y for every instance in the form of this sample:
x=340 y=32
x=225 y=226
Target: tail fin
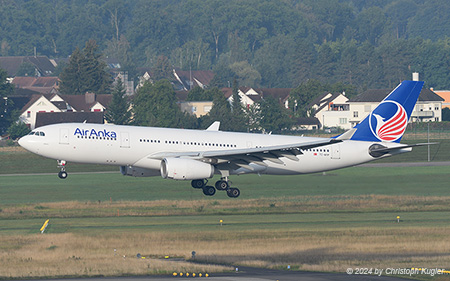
x=388 y=121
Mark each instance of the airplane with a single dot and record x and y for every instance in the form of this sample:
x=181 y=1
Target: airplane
x=197 y=155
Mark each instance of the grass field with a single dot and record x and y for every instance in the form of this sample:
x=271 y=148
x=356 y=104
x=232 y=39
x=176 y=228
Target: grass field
x=319 y=222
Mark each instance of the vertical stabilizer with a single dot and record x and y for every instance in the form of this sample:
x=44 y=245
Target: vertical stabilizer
x=388 y=121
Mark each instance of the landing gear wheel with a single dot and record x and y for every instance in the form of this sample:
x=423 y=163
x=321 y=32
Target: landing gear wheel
x=209 y=190
x=221 y=185
x=198 y=183
x=62 y=175
x=233 y=192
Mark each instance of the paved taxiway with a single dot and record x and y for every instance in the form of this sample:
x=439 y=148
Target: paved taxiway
x=253 y=274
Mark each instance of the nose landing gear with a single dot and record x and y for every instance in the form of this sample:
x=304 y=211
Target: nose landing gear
x=62 y=165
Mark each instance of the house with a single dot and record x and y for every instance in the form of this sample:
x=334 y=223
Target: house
x=347 y=114
x=330 y=109
x=128 y=85
x=197 y=108
x=444 y=94
x=307 y=123
x=250 y=96
x=183 y=80
x=428 y=107
x=43 y=85
x=189 y=79
x=49 y=103
x=42 y=64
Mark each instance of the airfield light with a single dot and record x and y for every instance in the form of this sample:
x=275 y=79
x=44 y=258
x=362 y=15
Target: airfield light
x=221 y=222
x=175 y=274
x=398 y=219
x=200 y=275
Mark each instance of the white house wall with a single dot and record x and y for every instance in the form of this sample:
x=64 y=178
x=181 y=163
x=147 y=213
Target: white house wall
x=41 y=105
x=339 y=119
x=427 y=111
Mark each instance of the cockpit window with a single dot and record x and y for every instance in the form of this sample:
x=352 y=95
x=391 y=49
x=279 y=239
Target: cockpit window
x=39 y=134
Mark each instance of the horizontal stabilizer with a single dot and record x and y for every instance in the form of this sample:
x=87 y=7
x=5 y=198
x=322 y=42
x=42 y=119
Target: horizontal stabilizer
x=378 y=150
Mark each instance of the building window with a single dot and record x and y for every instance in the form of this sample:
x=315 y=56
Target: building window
x=355 y=113
x=194 y=109
x=28 y=114
x=342 y=120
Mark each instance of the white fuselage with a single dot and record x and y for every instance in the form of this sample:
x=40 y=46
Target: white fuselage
x=134 y=146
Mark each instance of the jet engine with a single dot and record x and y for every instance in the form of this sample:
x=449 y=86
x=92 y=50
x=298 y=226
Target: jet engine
x=185 y=169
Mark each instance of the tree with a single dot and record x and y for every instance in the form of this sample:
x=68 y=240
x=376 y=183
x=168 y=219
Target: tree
x=85 y=72
x=118 y=111
x=17 y=130
x=199 y=94
x=162 y=69
x=245 y=74
x=274 y=118
x=446 y=114
x=301 y=97
x=237 y=116
x=155 y=105
x=26 y=69
x=5 y=105
x=220 y=111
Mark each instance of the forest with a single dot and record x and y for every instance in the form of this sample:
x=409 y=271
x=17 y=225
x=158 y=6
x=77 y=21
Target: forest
x=261 y=43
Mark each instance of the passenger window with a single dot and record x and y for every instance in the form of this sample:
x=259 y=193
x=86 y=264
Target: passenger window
x=42 y=134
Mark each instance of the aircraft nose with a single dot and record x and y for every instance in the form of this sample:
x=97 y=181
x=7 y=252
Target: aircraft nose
x=25 y=142
x=22 y=141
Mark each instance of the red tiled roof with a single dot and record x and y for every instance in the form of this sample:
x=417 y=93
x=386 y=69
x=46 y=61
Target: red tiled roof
x=204 y=76
x=78 y=102
x=42 y=85
x=12 y=64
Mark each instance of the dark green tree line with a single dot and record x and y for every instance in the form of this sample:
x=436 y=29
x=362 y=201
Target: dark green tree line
x=85 y=72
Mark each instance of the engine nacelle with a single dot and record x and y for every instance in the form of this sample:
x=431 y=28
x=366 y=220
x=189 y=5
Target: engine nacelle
x=185 y=169
x=138 y=172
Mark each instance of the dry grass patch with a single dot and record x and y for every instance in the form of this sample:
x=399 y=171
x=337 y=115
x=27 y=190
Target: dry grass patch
x=297 y=204
x=78 y=255
x=333 y=249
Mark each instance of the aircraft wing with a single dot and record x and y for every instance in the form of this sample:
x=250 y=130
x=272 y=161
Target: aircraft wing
x=235 y=158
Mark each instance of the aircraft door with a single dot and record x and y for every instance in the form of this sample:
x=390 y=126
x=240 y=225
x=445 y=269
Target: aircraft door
x=64 y=136
x=335 y=151
x=124 y=140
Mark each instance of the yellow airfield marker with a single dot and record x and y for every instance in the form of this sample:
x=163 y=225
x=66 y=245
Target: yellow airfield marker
x=44 y=226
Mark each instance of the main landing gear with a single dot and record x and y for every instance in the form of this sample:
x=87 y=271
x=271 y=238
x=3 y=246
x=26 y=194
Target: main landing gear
x=222 y=184
x=62 y=165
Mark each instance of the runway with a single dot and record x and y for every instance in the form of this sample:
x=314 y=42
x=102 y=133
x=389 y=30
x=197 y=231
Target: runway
x=251 y=274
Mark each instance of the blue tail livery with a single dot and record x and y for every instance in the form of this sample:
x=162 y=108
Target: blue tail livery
x=388 y=121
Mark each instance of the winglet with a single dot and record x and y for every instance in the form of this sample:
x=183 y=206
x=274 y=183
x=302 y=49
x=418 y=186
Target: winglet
x=214 y=126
